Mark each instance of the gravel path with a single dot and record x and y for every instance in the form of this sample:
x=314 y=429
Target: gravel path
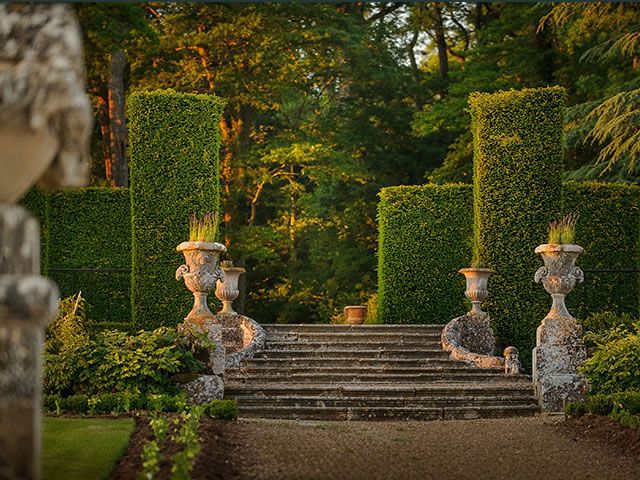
x=517 y=449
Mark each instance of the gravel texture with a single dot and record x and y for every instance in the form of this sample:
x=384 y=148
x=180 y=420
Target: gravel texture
x=517 y=448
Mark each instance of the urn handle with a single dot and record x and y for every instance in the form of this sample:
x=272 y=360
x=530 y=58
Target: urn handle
x=219 y=273
x=541 y=273
x=578 y=274
x=182 y=269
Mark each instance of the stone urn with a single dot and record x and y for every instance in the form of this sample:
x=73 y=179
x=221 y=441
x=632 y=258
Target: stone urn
x=477 y=292
x=559 y=275
x=227 y=289
x=355 y=314
x=559 y=350
x=200 y=273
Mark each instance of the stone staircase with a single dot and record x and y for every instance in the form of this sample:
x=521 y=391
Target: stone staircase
x=370 y=372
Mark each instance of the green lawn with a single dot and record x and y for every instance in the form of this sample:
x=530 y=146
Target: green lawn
x=83 y=448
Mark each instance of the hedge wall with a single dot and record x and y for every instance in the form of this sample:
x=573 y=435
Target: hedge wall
x=518 y=162
x=91 y=229
x=608 y=228
x=424 y=239
x=37 y=202
x=174 y=140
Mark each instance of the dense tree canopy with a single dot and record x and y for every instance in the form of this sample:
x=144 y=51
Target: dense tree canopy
x=327 y=103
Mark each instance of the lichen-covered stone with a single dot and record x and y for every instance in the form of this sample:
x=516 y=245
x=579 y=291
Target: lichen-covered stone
x=470 y=338
x=559 y=350
x=244 y=337
x=204 y=389
x=512 y=365
x=214 y=358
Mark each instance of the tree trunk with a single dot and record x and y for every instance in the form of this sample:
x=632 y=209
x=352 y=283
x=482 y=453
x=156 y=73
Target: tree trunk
x=103 y=121
x=117 y=125
x=441 y=41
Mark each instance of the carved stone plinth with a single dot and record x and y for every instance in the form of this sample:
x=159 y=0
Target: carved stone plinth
x=28 y=302
x=559 y=350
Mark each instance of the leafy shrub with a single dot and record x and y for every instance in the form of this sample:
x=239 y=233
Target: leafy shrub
x=620 y=327
x=625 y=418
x=166 y=403
x=114 y=403
x=575 y=409
x=174 y=140
x=113 y=361
x=222 y=409
x=600 y=404
x=424 y=239
x=518 y=161
x=615 y=366
x=629 y=401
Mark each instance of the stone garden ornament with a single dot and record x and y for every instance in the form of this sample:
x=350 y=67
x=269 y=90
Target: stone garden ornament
x=470 y=338
x=200 y=272
x=559 y=350
x=45 y=120
x=227 y=289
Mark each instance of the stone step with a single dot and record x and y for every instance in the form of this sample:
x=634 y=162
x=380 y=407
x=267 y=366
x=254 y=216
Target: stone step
x=327 y=328
x=351 y=345
x=393 y=402
x=313 y=377
x=387 y=413
x=333 y=337
x=470 y=389
x=396 y=352
x=284 y=370
x=315 y=363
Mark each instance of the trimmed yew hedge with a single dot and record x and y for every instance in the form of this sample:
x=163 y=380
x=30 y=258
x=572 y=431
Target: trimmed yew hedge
x=174 y=140
x=424 y=239
x=518 y=162
x=608 y=228
x=87 y=229
x=90 y=229
x=37 y=202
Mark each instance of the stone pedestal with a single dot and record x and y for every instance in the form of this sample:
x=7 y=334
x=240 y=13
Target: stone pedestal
x=559 y=347
x=28 y=302
x=558 y=353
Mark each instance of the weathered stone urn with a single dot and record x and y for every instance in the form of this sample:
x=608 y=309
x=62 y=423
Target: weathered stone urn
x=355 y=314
x=200 y=273
x=559 y=350
x=227 y=289
x=477 y=292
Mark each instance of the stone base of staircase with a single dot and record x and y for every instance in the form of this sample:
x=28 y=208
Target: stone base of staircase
x=370 y=372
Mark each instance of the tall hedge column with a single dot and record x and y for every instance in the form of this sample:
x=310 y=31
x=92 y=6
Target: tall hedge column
x=517 y=191
x=174 y=141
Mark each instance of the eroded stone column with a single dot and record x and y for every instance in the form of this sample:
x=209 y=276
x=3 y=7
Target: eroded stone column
x=27 y=303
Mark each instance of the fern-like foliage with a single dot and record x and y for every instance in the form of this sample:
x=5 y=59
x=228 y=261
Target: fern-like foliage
x=617 y=128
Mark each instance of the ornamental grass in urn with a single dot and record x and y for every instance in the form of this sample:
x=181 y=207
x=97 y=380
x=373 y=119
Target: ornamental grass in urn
x=201 y=270
x=560 y=275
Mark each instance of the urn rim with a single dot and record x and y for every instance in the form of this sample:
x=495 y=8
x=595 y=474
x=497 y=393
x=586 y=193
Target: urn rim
x=476 y=270
x=559 y=247
x=234 y=269
x=211 y=246
x=359 y=307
